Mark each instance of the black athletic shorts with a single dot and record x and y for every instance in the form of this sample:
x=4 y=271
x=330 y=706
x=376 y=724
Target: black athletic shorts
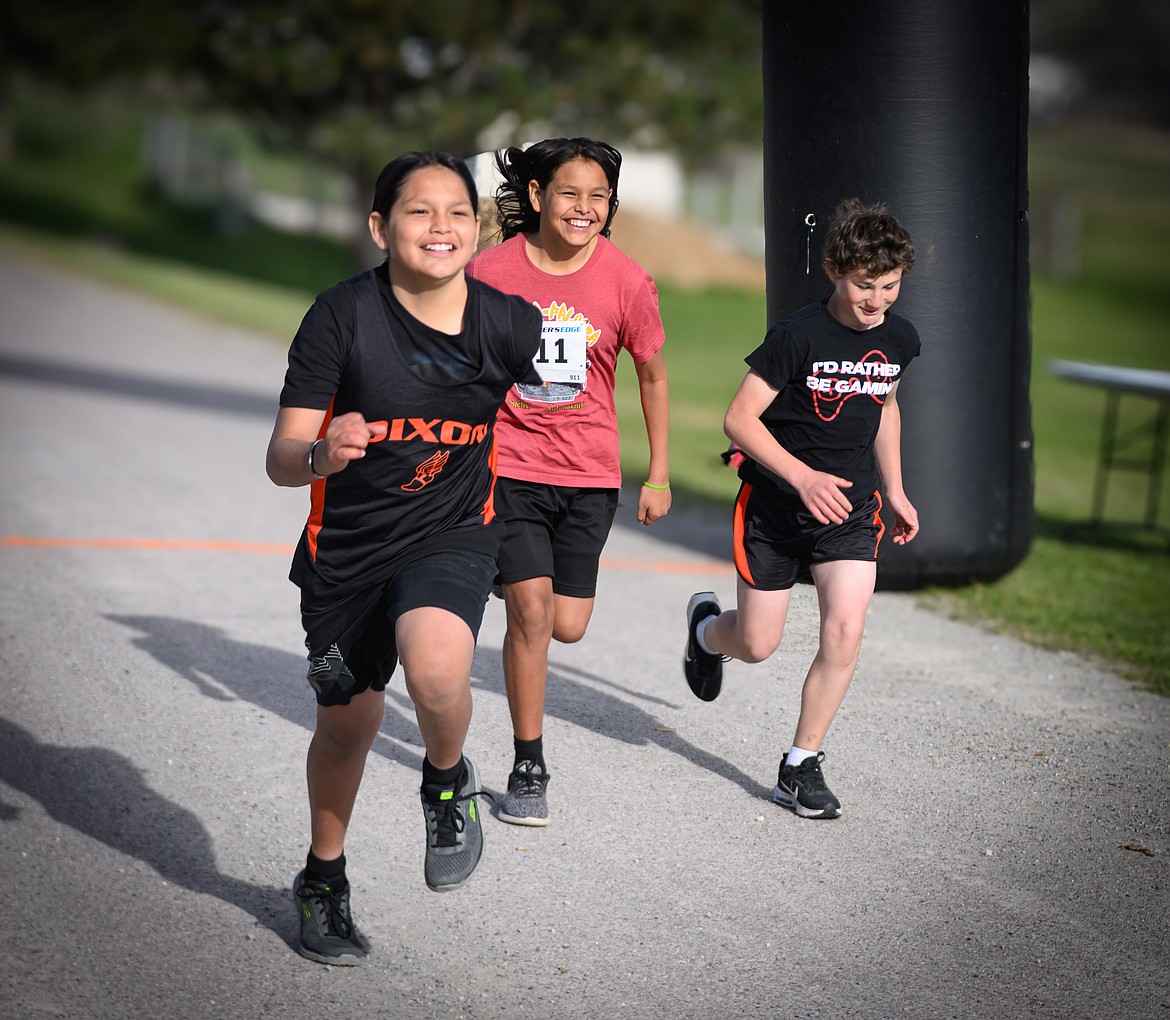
x=351 y=640
x=553 y=531
x=776 y=539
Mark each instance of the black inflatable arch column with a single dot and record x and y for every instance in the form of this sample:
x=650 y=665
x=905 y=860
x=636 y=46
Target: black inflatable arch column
x=922 y=106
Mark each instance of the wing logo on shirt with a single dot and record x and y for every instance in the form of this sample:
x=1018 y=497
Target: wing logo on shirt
x=425 y=473
x=832 y=383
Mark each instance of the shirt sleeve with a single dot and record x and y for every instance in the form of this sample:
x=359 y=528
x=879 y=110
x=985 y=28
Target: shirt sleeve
x=777 y=360
x=319 y=351
x=526 y=326
x=642 y=332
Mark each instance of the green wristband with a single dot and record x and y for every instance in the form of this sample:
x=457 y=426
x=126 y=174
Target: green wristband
x=659 y=488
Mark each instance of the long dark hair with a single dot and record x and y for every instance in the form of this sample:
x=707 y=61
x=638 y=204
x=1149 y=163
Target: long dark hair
x=539 y=163
x=394 y=174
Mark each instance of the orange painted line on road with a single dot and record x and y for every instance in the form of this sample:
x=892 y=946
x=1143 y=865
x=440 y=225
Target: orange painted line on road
x=269 y=548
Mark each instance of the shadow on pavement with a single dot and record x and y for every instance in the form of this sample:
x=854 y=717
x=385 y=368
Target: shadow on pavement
x=592 y=706
x=102 y=795
x=224 y=669
x=123 y=384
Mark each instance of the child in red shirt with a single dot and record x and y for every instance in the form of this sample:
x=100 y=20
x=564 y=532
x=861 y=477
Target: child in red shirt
x=558 y=459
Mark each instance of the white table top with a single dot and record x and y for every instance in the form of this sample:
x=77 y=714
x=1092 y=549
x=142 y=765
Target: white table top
x=1147 y=382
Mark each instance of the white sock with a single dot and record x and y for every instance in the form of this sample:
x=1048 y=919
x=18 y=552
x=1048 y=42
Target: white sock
x=700 y=629
x=797 y=755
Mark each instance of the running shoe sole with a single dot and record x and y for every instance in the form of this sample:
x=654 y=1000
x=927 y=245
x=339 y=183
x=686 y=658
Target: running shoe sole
x=788 y=798
x=705 y=688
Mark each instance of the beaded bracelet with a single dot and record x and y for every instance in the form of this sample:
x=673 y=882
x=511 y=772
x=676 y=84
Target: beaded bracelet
x=658 y=488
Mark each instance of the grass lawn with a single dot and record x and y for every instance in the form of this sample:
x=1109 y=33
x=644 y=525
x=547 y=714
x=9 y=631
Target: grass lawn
x=1105 y=595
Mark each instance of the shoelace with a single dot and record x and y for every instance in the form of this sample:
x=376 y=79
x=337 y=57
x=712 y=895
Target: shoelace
x=809 y=774
x=336 y=921
x=529 y=774
x=708 y=661
x=450 y=820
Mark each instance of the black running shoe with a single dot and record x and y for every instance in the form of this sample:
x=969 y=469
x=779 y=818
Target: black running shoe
x=704 y=670
x=526 y=802
x=801 y=788
x=328 y=934
x=454 y=833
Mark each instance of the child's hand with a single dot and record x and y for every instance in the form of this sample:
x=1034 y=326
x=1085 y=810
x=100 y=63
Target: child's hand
x=821 y=494
x=652 y=504
x=345 y=440
x=905 y=519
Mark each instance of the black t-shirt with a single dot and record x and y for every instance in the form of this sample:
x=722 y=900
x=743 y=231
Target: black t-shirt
x=426 y=485
x=832 y=383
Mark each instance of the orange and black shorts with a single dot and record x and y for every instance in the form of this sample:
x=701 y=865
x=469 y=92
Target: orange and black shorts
x=776 y=539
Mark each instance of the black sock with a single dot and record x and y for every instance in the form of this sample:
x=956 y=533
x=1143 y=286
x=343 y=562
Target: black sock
x=441 y=777
x=530 y=750
x=329 y=872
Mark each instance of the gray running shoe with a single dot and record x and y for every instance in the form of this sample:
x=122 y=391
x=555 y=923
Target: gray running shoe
x=526 y=802
x=704 y=670
x=454 y=833
x=801 y=788
x=328 y=934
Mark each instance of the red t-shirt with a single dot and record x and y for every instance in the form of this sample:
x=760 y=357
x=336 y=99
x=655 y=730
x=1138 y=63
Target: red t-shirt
x=564 y=432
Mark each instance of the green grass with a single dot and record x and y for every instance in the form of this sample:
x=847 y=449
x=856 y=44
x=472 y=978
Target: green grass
x=708 y=335
x=1104 y=598
x=1105 y=595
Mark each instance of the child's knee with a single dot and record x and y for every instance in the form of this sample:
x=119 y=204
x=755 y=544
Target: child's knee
x=437 y=693
x=570 y=632
x=757 y=643
x=758 y=651
x=533 y=618
x=351 y=726
x=841 y=639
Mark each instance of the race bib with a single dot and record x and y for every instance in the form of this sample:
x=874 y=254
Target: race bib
x=561 y=358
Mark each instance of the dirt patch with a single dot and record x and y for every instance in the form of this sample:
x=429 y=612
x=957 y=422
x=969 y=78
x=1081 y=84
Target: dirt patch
x=682 y=254
x=677 y=253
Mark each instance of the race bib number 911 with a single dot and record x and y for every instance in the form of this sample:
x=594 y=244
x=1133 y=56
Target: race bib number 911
x=561 y=358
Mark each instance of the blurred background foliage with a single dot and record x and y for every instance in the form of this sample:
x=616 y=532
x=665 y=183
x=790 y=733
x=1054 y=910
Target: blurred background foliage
x=350 y=80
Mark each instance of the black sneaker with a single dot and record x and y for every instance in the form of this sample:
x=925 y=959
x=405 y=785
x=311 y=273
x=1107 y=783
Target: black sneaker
x=704 y=670
x=328 y=934
x=526 y=802
x=801 y=788
x=454 y=833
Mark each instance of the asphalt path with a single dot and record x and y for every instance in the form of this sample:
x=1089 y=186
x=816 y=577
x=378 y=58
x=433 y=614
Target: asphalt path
x=1004 y=849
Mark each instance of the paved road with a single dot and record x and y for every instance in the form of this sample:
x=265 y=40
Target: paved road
x=1004 y=852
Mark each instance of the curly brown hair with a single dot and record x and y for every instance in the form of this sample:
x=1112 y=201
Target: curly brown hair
x=867 y=237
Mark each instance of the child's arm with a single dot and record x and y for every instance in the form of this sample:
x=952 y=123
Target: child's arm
x=655 y=396
x=820 y=492
x=887 y=450
x=294 y=433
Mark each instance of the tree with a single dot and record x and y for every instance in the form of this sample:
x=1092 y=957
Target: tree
x=356 y=79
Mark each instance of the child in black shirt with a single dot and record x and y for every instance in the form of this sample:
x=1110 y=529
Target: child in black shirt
x=388 y=413
x=817 y=419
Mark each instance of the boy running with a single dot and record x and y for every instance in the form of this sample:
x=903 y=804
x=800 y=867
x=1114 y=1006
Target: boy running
x=817 y=418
